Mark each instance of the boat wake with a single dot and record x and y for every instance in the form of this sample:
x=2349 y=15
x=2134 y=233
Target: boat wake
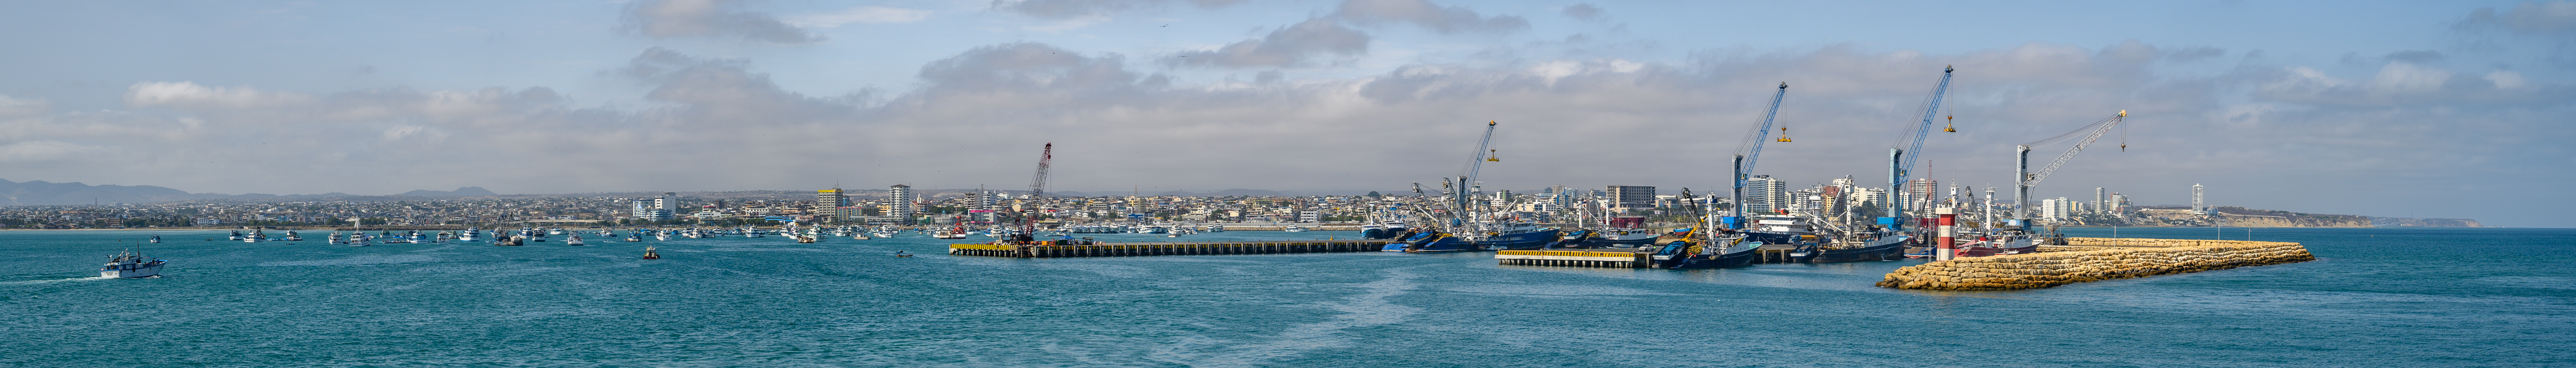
x=1365 y=310
x=49 y=281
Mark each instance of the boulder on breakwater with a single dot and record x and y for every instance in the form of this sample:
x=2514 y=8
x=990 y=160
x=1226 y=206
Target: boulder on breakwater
x=2099 y=259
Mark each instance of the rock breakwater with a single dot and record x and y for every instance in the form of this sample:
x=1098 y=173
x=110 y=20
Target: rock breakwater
x=2099 y=259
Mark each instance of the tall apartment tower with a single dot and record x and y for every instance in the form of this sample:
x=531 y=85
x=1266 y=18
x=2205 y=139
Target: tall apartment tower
x=2119 y=204
x=1764 y=195
x=900 y=201
x=828 y=202
x=2101 y=200
x=1920 y=195
x=2198 y=206
x=2058 y=209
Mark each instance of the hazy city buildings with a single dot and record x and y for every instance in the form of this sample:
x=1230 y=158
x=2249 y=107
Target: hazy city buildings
x=1628 y=197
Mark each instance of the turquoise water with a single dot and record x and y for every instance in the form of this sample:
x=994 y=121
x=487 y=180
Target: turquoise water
x=2377 y=298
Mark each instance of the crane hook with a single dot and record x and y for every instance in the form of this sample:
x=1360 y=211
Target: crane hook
x=1784 y=134
x=1947 y=124
x=1491 y=156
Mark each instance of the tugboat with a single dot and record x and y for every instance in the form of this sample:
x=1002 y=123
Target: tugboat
x=648 y=253
x=131 y=265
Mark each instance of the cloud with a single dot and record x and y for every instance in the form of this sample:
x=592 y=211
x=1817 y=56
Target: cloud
x=1446 y=20
x=863 y=14
x=11 y=107
x=41 y=151
x=1072 y=9
x=1583 y=11
x=2268 y=135
x=191 y=95
x=2552 y=18
x=710 y=19
x=1291 y=46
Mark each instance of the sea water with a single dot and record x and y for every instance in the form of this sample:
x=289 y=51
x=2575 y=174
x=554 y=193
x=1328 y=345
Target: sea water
x=2401 y=297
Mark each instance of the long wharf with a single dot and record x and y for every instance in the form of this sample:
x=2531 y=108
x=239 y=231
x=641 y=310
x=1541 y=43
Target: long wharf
x=1168 y=248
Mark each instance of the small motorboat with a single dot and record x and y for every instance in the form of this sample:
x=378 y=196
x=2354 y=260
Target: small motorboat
x=901 y=254
x=649 y=254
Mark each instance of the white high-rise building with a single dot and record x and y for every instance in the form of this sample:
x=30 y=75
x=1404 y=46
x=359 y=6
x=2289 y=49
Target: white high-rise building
x=2058 y=209
x=2119 y=204
x=2198 y=206
x=899 y=201
x=2101 y=201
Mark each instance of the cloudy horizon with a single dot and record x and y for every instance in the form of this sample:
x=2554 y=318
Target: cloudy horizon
x=2438 y=110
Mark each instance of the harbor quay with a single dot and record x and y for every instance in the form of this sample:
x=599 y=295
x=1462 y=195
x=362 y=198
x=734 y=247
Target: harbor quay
x=1601 y=258
x=1168 y=248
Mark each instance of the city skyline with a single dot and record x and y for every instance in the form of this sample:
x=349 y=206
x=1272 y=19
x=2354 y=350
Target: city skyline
x=2293 y=106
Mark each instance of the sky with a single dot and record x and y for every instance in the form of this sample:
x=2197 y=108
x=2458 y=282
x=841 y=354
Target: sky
x=2454 y=109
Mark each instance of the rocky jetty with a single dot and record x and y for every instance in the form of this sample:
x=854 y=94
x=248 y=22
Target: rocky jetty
x=2092 y=259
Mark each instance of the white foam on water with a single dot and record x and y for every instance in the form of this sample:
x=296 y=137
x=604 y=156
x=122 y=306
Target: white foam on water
x=1368 y=309
x=41 y=282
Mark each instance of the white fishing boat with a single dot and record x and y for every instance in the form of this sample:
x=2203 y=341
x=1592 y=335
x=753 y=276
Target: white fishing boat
x=131 y=265
x=574 y=241
x=1295 y=229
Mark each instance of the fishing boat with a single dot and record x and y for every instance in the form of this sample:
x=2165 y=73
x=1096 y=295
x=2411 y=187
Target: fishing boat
x=1735 y=252
x=237 y=236
x=1389 y=230
x=290 y=236
x=471 y=234
x=156 y=238
x=131 y=265
x=574 y=241
x=1620 y=237
x=1216 y=228
x=649 y=254
x=636 y=236
x=901 y=254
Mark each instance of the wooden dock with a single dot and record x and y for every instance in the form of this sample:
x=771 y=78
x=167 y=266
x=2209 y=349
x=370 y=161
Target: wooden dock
x=1605 y=258
x=1169 y=248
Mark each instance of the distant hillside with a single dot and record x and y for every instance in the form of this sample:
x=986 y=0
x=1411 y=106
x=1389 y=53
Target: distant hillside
x=459 y=192
x=2423 y=222
x=40 y=192
x=2172 y=215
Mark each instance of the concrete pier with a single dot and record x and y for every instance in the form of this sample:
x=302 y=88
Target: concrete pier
x=2110 y=259
x=1604 y=258
x=1168 y=249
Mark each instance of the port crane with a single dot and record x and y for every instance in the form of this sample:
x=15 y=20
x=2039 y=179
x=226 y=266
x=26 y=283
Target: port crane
x=1902 y=164
x=1037 y=187
x=1753 y=149
x=2026 y=179
x=1459 y=197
